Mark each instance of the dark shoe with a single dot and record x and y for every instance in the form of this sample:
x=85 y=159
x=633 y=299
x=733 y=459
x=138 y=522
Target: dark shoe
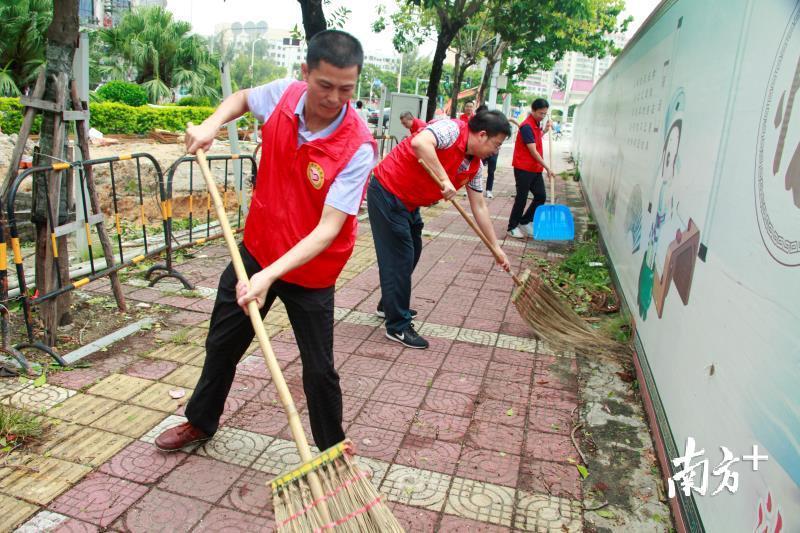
x=381 y=314
x=409 y=338
x=176 y=438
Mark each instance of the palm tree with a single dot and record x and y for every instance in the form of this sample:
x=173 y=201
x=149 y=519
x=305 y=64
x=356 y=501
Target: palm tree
x=22 y=42
x=151 y=48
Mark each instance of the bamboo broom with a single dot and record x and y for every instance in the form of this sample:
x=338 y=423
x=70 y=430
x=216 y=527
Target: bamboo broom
x=538 y=305
x=325 y=492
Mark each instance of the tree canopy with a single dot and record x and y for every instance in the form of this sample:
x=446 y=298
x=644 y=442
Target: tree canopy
x=22 y=42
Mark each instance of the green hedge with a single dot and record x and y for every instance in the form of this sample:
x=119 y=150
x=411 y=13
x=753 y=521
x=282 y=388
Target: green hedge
x=110 y=117
x=123 y=93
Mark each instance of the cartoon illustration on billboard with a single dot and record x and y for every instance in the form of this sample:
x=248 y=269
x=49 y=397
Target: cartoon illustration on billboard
x=674 y=258
x=633 y=218
x=610 y=201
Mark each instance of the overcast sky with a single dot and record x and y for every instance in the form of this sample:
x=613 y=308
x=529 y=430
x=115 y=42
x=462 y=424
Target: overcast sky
x=205 y=14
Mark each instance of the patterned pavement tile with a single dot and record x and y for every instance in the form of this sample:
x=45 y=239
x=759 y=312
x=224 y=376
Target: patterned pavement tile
x=553 y=399
x=41 y=521
x=546 y=477
x=478 y=337
x=484 y=502
x=38 y=399
x=413 y=518
x=451 y=403
x=456 y=362
x=229 y=521
x=142 y=462
x=438 y=330
x=185 y=376
x=280 y=456
x=251 y=494
x=501 y=412
x=516 y=343
x=38 y=479
x=468 y=349
x=157 y=397
x=99 y=499
x=253 y=366
x=257 y=417
x=439 y=426
x=202 y=478
x=377 y=469
x=120 y=387
x=539 y=512
x=161 y=511
x=493 y=436
x=54 y=431
x=456 y=524
x=458 y=382
x=415 y=487
x=385 y=350
x=506 y=372
x=411 y=374
x=129 y=420
x=438 y=344
x=89 y=446
x=75 y=379
x=346 y=344
x=429 y=454
x=151 y=368
x=83 y=408
x=246 y=387
x=550 y=421
x=15 y=512
x=386 y=416
x=497 y=389
x=366 y=319
x=357 y=386
x=549 y=446
x=352 y=407
x=369 y=367
x=513 y=357
x=499 y=468
x=399 y=393
x=375 y=443
x=356 y=331
x=427 y=358
x=177 y=353
x=235 y=446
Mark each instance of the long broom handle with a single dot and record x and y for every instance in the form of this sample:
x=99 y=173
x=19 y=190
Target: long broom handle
x=263 y=340
x=472 y=223
x=550 y=156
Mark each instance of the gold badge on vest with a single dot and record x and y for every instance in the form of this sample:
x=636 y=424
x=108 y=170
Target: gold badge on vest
x=315 y=175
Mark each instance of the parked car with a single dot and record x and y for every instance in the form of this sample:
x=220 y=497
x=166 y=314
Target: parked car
x=373 y=116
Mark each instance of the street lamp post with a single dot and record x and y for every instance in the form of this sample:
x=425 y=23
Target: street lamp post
x=253 y=81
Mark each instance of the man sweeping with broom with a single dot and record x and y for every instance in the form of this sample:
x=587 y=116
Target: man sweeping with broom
x=453 y=151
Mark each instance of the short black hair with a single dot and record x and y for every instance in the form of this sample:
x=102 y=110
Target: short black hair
x=539 y=103
x=492 y=122
x=481 y=108
x=359 y=104
x=406 y=114
x=335 y=47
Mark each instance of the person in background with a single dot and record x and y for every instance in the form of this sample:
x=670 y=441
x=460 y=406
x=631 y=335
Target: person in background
x=468 y=112
x=490 y=162
x=412 y=123
x=528 y=166
x=362 y=112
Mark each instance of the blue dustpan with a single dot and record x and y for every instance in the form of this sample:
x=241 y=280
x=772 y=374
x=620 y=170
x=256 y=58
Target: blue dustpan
x=553 y=222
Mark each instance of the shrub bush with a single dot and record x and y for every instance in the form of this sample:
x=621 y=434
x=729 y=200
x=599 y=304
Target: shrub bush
x=195 y=101
x=124 y=93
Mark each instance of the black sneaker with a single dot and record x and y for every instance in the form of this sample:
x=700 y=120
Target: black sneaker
x=381 y=314
x=409 y=338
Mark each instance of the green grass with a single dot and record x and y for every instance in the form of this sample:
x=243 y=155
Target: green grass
x=16 y=427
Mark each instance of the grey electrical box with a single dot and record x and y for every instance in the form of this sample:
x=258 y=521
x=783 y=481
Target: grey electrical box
x=400 y=103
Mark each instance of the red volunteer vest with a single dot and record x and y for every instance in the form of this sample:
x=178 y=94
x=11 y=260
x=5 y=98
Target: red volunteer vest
x=523 y=159
x=416 y=125
x=401 y=174
x=291 y=187
x=464 y=117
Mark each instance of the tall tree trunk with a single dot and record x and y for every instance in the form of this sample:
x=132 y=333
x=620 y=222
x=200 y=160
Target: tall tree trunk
x=313 y=17
x=442 y=43
x=62 y=37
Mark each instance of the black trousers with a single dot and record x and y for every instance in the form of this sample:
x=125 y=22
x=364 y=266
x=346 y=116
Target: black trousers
x=397 y=233
x=526 y=182
x=491 y=165
x=231 y=332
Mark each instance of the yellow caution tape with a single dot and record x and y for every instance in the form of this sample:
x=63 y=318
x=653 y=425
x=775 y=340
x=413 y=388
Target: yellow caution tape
x=60 y=166
x=80 y=282
x=17 y=252
x=55 y=245
x=124 y=157
x=3 y=256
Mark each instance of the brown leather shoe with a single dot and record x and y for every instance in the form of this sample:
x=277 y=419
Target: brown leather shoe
x=176 y=438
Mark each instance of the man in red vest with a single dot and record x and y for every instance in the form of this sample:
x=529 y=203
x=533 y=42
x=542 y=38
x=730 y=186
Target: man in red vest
x=528 y=166
x=412 y=123
x=300 y=231
x=453 y=150
x=468 y=112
